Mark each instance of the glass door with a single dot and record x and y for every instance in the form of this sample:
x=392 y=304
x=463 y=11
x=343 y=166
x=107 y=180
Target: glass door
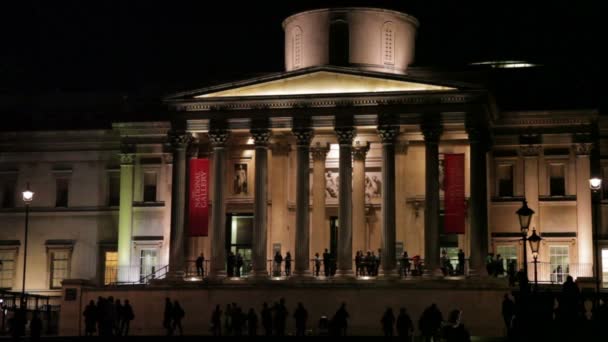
x=148 y=262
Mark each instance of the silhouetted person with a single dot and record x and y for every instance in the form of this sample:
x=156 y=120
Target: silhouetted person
x=200 y=261
x=35 y=326
x=317 y=264
x=239 y=264
x=455 y=331
x=326 y=262
x=267 y=319
x=228 y=319
x=301 y=316
x=177 y=316
x=118 y=315
x=238 y=321
x=278 y=259
x=90 y=319
x=280 y=317
x=99 y=315
x=511 y=273
x=405 y=326
x=167 y=315
x=460 y=261
x=252 y=323
x=230 y=262
x=288 y=264
x=127 y=317
x=405 y=264
x=216 y=321
x=340 y=320
x=508 y=311
x=430 y=323
x=388 y=321
x=490 y=264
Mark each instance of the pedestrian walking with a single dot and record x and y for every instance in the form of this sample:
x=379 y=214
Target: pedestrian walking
x=388 y=322
x=301 y=316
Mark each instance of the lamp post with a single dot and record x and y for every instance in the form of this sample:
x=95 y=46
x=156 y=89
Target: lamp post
x=595 y=184
x=28 y=196
x=525 y=217
x=534 y=241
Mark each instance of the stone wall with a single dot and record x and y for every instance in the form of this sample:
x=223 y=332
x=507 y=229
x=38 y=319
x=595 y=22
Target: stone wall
x=366 y=303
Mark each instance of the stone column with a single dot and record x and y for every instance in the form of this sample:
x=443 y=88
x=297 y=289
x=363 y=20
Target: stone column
x=478 y=217
x=431 y=128
x=303 y=136
x=388 y=133
x=218 y=138
x=179 y=142
x=319 y=229
x=260 y=200
x=345 y=136
x=583 y=207
x=125 y=213
x=359 y=154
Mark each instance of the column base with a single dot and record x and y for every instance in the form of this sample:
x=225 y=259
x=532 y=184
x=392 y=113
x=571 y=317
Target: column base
x=389 y=275
x=433 y=273
x=345 y=274
x=258 y=274
x=302 y=275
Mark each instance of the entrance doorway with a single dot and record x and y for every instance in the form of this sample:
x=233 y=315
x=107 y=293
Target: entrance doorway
x=333 y=236
x=239 y=237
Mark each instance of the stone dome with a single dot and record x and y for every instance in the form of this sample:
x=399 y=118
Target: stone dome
x=367 y=38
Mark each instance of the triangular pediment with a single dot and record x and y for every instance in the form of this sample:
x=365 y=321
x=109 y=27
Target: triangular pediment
x=318 y=82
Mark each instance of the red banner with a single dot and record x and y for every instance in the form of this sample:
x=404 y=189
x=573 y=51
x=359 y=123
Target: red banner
x=454 y=194
x=198 y=216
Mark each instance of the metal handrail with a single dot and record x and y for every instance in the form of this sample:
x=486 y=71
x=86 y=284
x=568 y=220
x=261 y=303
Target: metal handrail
x=157 y=274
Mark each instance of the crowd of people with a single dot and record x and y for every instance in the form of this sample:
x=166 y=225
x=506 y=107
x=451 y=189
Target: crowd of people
x=564 y=316
x=108 y=317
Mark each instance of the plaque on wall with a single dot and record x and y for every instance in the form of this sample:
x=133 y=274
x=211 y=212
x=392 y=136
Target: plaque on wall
x=70 y=294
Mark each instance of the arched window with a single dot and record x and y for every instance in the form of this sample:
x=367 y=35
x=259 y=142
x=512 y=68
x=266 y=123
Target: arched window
x=338 y=43
x=296 y=44
x=388 y=43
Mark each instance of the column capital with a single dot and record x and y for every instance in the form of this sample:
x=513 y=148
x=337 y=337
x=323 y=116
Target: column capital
x=583 y=149
x=127 y=158
x=360 y=151
x=345 y=135
x=319 y=152
x=431 y=129
x=179 y=138
x=260 y=136
x=530 y=150
x=303 y=135
x=388 y=133
x=219 y=137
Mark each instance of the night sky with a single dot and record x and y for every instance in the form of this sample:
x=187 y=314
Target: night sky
x=144 y=47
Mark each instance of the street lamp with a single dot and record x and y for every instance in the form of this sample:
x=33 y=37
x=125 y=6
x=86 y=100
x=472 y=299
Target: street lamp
x=534 y=241
x=595 y=184
x=28 y=197
x=525 y=217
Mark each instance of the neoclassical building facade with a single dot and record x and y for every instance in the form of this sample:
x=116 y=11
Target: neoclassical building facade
x=345 y=150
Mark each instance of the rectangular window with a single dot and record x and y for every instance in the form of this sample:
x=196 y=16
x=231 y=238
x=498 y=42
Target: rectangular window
x=60 y=267
x=114 y=190
x=505 y=180
x=559 y=263
x=110 y=267
x=150 y=187
x=61 y=195
x=8 y=193
x=557 y=180
x=7 y=268
x=508 y=255
x=148 y=263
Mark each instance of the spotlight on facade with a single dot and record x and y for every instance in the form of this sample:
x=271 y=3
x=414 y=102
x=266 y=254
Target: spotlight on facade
x=595 y=183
